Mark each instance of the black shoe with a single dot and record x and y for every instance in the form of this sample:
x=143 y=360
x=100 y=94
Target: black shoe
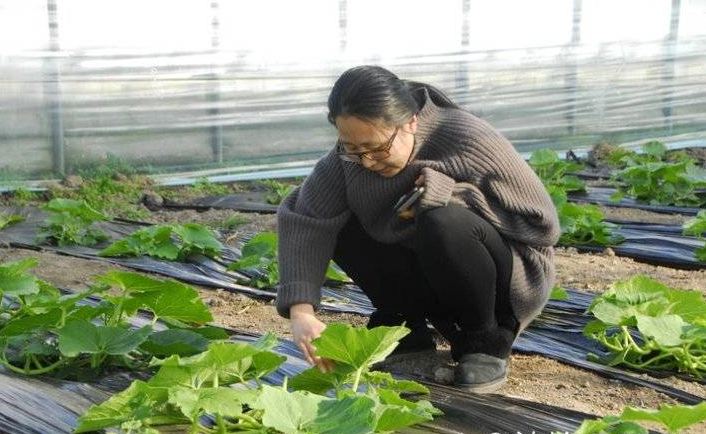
x=480 y=373
x=496 y=342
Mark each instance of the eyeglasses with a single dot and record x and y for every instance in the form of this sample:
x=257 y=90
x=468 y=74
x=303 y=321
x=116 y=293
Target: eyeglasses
x=376 y=154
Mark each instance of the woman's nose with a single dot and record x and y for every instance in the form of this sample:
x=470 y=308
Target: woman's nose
x=367 y=162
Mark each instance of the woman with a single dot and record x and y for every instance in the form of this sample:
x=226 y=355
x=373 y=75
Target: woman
x=473 y=255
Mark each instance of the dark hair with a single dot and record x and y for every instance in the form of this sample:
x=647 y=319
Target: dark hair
x=372 y=92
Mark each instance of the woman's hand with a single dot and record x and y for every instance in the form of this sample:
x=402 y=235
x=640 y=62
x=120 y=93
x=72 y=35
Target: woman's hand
x=408 y=214
x=305 y=328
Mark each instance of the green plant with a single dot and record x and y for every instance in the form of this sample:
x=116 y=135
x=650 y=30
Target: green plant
x=259 y=259
x=23 y=195
x=697 y=227
x=9 y=219
x=558 y=293
x=585 y=225
x=187 y=388
x=554 y=172
x=110 y=192
x=159 y=242
x=671 y=417
x=205 y=187
x=70 y=222
x=234 y=221
x=647 y=325
x=276 y=191
x=650 y=179
x=43 y=331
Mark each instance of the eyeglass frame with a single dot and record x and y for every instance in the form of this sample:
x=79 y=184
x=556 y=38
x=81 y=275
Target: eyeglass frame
x=357 y=157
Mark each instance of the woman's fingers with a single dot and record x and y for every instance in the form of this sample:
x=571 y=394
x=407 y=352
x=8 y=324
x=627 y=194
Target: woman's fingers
x=420 y=180
x=305 y=350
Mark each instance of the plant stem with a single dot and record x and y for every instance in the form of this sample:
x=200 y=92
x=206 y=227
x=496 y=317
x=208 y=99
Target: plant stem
x=44 y=370
x=357 y=379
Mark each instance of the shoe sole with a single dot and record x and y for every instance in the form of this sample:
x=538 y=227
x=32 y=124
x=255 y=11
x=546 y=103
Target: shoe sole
x=488 y=387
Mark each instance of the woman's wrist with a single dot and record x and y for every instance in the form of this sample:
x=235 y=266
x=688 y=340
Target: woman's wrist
x=301 y=309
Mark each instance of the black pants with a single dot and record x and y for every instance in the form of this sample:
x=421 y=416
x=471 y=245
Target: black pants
x=457 y=275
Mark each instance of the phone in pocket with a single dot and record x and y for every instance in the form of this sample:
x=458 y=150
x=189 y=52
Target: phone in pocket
x=408 y=199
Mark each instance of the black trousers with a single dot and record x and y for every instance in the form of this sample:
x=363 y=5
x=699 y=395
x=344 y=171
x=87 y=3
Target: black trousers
x=456 y=275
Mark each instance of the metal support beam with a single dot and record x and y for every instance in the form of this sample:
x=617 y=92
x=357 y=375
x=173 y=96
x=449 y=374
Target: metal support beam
x=462 y=84
x=52 y=91
x=668 y=76
x=342 y=25
x=214 y=96
x=571 y=78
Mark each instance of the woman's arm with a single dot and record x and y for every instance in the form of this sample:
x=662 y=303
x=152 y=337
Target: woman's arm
x=492 y=179
x=309 y=220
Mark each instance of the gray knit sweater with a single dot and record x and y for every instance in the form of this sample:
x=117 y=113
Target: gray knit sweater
x=464 y=161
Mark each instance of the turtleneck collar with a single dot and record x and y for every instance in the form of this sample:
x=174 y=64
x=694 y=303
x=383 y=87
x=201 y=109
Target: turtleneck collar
x=428 y=119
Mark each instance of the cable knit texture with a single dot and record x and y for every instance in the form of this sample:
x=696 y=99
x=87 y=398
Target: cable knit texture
x=464 y=161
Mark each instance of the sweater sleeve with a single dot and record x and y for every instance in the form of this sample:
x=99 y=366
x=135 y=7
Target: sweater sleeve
x=309 y=220
x=503 y=188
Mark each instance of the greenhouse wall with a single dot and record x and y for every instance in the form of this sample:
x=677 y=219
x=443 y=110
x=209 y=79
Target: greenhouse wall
x=175 y=86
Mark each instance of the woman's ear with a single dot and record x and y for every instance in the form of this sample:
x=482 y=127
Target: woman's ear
x=412 y=125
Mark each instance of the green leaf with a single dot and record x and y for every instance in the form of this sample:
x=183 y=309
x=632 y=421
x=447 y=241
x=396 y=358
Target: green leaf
x=84 y=337
x=130 y=282
x=385 y=380
x=665 y=330
x=199 y=238
x=396 y=413
x=231 y=362
x=139 y=401
x=654 y=148
x=358 y=347
x=673 y=417
x=208 y=332
x=543 y=157
x=176 y=300
x=8 y=220
x=559 y=293
x=209 y=400
x=335 y=273
x=181 y=342
x=314 y=381
x=306 y=413
x=34 y=323
x=14 y=281
x=76 y=208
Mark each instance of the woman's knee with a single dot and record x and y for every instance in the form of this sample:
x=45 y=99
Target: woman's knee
x=450 y=222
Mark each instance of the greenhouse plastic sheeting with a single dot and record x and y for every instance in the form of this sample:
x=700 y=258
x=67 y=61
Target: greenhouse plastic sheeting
x=199 y=270
x=43 y=405
x=601 y=196
x=213 y=84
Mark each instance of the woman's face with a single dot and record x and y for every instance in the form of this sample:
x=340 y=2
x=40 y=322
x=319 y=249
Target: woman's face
x=358 y=135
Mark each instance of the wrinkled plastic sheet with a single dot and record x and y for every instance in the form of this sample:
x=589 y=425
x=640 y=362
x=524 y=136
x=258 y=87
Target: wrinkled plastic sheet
x=558 y=334
x=40 y=405
x=601 y=196
x=200 y=270
x=656 y=244
x=244 y=202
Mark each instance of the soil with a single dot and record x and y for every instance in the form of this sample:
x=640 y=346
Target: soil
x=534 y=378
x=638 y=215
